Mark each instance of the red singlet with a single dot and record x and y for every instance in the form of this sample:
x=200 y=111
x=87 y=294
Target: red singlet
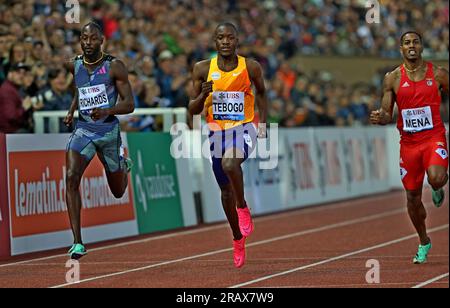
x=423 y=141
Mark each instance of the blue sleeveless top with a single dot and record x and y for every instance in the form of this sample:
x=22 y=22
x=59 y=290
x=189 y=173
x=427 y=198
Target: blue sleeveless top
x=95 y=90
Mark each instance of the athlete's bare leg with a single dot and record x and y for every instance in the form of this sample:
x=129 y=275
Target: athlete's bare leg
x=117 y=181
x=231 y=165
x=229 y=206
x=437 y=176
x=76 y=165
x=418 y=214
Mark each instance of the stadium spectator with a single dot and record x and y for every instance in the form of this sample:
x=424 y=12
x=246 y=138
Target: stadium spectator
x=161 y=40
x=13 y=116
x=56 y=96
x=3 y=54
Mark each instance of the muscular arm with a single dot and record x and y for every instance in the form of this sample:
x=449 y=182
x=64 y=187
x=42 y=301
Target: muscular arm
x=201 y=87
x=256 y=76
x=125 y=105
x=383 y=115
x=73 y=106
x=69 y=66
x=441 y=76
x=119 y=74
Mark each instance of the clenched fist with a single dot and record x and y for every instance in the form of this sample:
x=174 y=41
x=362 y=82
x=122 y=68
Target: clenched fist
x=68 y=119
x=379 y=117
x=207 y=87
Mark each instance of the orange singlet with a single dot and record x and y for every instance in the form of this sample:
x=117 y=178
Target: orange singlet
x=232 y=102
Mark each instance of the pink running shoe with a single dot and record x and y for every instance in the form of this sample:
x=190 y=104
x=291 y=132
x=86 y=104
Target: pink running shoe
x=239 y=252
x=245 y=221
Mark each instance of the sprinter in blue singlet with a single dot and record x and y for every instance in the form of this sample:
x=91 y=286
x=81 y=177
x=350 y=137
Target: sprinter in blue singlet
x=99 y=79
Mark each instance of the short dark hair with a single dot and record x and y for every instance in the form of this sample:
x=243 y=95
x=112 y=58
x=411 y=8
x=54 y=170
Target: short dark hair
x=93 y=24
x=409 y=32
x=227 y=24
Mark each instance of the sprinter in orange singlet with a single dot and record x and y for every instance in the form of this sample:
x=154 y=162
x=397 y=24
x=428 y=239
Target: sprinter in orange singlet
x=223 y=89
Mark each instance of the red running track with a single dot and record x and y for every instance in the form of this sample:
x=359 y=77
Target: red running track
x=326 y=246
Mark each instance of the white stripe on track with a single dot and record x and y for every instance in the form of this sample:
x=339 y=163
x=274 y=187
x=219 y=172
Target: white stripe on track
x=299 y=211
x=442 y=227
x=420 y=285
x=274 y=239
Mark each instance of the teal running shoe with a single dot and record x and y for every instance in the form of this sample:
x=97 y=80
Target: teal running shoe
x=438 y=197
x=422 y=253
x=77 y=251
x=128 y=164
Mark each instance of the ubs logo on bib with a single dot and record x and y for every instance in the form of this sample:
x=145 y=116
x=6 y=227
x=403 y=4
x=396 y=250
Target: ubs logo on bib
x=215 y=76
x=417 y=111
x=442 y=153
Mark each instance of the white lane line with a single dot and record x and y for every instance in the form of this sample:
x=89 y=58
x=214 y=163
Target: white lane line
x=300 y=211
x=350 y=285
x=142 y=262
x=442 y=227
x=420 y=285
x=160 y=237
x=274 y=239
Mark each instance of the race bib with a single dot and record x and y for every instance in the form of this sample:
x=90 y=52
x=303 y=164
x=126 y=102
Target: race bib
x=228 y=106
x=92 y=97
x=417 y=119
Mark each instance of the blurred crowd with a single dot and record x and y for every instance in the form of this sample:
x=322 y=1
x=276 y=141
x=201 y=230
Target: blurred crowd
x=160 y=41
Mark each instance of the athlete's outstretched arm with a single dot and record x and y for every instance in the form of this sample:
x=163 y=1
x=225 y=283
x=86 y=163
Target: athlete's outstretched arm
x=73 y=106
x=442 y=78
x=201 y=87
x=383 y=115
x=256 y=76
x=125 y=105
x=69 y=117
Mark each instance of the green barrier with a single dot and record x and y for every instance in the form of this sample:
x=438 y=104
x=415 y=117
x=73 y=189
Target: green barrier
x=155 y=182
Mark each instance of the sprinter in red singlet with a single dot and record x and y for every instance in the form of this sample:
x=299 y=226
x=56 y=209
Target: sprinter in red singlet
x=416 y=87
